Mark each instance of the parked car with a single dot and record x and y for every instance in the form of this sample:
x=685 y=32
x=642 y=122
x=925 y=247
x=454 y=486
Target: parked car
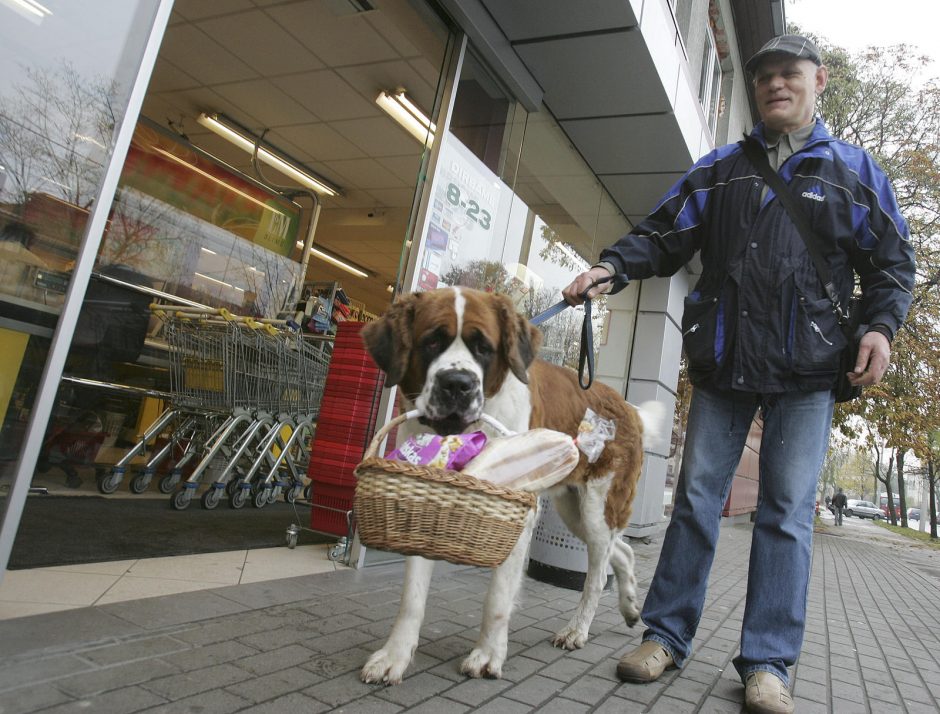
x=913 y=514
x=897 y=511
x=863 y=509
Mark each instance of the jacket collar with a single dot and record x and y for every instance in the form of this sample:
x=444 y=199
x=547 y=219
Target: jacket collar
x=820 y=134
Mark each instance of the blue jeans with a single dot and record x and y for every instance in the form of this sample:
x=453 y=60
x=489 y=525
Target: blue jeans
x=793 y=446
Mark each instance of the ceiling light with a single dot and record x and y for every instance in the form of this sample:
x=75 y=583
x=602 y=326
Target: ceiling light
x=242 y=138
x=338 y=262
x=31 y=6
x=412 y=119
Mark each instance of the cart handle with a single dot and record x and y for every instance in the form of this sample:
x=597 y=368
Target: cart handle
x=414 y=414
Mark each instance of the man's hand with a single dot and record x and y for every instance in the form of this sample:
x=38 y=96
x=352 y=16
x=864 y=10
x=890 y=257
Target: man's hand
x=572 y=293
x=874 y=355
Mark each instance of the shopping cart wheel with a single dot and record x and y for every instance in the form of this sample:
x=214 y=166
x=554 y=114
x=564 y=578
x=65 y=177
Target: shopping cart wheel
x=232 y=486
x=292 y=532
x=273 y=494
x=181 y=499
x=307 y=490
x=239 y=498
x=260 y=499
x=141 y=481
x=168 y=482
x=293 y=493
x=211 y=498
x=109 y=481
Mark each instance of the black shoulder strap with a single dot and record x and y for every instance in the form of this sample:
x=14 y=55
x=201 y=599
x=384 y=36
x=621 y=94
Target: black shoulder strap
x=758 y=157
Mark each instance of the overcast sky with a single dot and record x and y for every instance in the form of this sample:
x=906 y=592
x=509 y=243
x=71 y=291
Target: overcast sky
x=855 y=24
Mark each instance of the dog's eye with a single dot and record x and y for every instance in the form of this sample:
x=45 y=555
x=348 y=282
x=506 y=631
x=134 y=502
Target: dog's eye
x=482 y=348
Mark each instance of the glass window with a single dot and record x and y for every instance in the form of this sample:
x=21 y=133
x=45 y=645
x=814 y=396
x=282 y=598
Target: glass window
x=709 y=89
x=66 y=71
x=515 y=209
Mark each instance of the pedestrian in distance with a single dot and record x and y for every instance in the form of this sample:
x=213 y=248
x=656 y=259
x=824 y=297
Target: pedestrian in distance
x=759 y=333
x=839 y=502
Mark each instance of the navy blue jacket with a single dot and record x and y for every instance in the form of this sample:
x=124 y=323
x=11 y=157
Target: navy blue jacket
x=758 y=319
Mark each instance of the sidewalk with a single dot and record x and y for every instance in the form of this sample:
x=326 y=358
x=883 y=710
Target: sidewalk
x=296 y=645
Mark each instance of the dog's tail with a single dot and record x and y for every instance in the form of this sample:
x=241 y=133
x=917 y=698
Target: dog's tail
x=653 y=415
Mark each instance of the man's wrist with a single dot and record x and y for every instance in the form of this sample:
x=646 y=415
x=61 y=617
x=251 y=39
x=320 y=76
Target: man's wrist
x=606 y=266
x=881 y=329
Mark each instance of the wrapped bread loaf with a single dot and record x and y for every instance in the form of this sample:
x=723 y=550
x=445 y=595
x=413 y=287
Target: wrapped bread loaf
x=531 y=461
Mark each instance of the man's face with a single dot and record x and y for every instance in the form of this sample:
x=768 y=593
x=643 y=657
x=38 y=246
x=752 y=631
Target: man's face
x=785 y=90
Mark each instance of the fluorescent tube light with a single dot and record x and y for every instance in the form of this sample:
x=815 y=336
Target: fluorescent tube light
x=404 y=111
x=243 y=139
x=333 y=260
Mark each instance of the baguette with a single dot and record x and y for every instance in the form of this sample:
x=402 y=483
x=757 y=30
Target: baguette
x=531 y=461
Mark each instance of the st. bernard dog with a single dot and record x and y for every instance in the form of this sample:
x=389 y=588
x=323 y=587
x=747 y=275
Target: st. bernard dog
x=456 y=353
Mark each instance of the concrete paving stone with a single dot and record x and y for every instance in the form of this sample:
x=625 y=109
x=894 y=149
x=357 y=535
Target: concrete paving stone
x=877 y=677
x=517 y=668
x=449 y=669
x=382 y=612
x=118 y=701
x=341 y=689
x=671 y=705
x=566 y=669
x=215 y=702
x=914 y=692
x=534 y=690
x=811 y=690
x=327 y=666
x=25 y=672
x=227 y=628
x=439 y=705
x=590 y=690
x=688 y=690
x=339 y=622
x=845 y=706
x=530 y=635
x=714 y=657
x=434 y=631
x=501 y=705
x=701 y=672
x=591 y=652
x=295 y=703
x=337 y=641
x=849 y=692
x=269 y=686
x=220 y=652
x=23 y=637
x=369 y=705
x=884 y=694
x=416 y=689
x=905 y=675
x=921 y=708
x=139 y=648
x=618 y=641
x=269 y=592
x=560 y=705
x=811 y=660
x=730 y=689
x=474 y=692
x=185 y=684
x=157 y=612
x=810 y=706
x=280 y=637
x=272 y=660
x=102 y=680
x=449 y=647
x=31 y=699
x=845 y=677
x=554 y=624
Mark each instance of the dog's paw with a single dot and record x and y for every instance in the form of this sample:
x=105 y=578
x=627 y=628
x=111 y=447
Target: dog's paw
x=570 y=638
x=385 y=668
x=630 y=612
x=482 y=663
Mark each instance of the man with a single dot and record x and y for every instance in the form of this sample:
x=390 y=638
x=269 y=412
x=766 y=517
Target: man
x=839 y=502
x=759 y=332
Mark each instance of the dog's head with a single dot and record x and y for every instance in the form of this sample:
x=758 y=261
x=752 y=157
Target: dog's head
x=449 y=350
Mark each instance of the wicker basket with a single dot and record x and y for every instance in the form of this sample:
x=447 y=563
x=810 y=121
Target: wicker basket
x=436 y=513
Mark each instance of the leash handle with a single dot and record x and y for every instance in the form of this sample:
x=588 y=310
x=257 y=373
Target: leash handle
x=586 y=355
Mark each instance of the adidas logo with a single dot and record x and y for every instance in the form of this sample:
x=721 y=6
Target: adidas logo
x=813 y=195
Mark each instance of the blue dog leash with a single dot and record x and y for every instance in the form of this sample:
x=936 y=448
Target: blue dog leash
x=587 y=331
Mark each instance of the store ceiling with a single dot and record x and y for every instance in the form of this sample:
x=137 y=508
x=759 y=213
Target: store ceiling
x=308 y=72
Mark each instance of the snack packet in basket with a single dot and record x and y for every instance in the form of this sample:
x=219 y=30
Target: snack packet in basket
x=447 y=452
x=531 y=461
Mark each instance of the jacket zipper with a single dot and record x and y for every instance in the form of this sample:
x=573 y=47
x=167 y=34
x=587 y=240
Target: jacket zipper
x=819 y=332
x=691 y=329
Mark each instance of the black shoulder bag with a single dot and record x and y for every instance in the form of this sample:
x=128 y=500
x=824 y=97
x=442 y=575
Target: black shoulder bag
x=850 y=314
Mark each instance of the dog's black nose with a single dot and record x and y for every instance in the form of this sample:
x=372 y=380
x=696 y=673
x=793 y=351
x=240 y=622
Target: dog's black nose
x=457 y=384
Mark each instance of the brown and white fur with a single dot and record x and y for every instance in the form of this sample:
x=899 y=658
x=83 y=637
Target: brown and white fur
x=456 y=353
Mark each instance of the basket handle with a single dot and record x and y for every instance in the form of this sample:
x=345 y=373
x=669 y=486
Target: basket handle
x=414 y=414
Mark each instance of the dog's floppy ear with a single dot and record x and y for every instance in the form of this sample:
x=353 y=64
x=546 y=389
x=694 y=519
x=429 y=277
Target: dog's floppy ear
x=520 y=339
x=389 y=339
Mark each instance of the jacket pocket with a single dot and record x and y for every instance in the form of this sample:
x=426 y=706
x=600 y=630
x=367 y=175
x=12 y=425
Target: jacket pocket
x=816 y=336
x=703 y=331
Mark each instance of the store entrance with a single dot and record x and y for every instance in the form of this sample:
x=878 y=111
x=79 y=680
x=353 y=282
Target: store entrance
x=266 y=200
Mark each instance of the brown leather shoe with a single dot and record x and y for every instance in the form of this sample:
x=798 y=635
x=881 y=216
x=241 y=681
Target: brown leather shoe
x=645 y=664
x=765 y=693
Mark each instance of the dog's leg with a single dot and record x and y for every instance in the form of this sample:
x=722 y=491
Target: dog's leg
x=389 y=663
x=487 y=658
x=591 y=527
x=622 y=560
